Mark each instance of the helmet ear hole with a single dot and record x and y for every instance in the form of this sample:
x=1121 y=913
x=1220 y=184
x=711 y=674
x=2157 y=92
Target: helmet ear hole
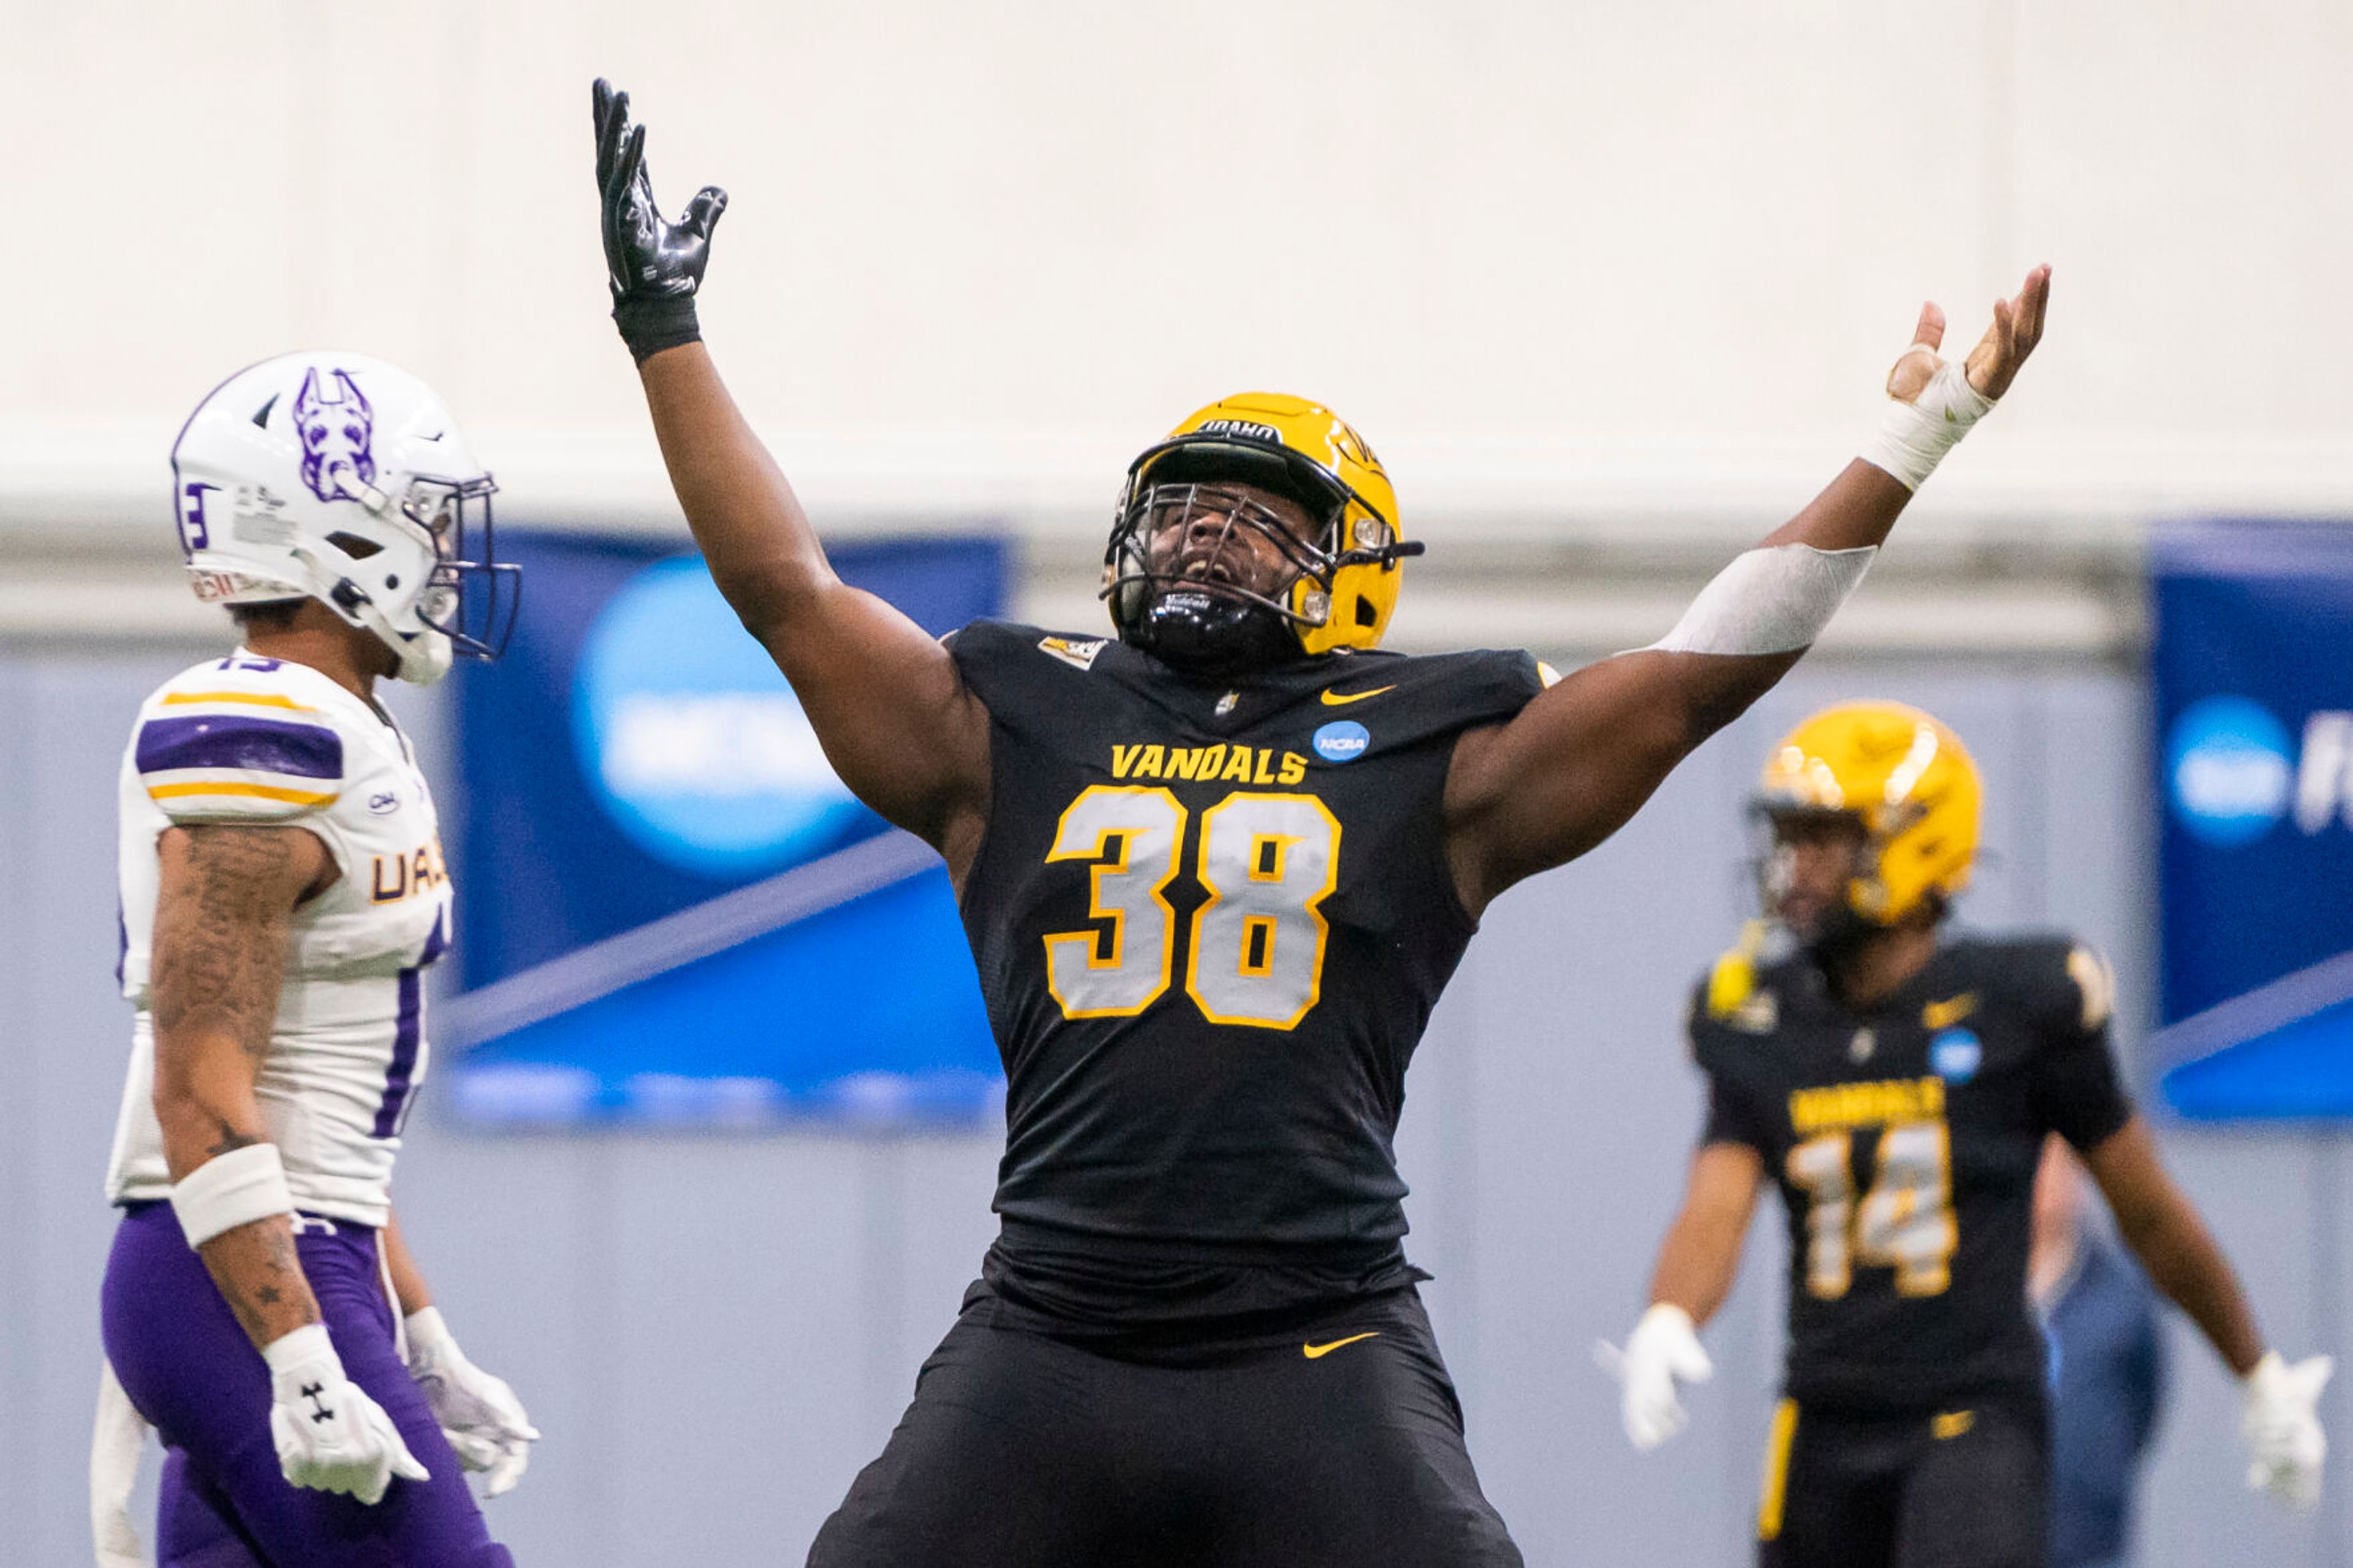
x=353 y=545
x=1366 y=615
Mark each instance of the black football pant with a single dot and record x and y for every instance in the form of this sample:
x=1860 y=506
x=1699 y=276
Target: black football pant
x=1341 y=1447
x=1965 y=1488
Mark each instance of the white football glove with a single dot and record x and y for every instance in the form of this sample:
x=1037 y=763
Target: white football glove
x=331 y=1435
x=2282 y=1433
x=1662 y=1351
x=479 y=1413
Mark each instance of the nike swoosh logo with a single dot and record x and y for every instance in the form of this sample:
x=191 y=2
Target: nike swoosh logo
x=1335 y=699
x=1315 y=1351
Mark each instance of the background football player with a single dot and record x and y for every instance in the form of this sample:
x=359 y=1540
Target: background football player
x=1898 y=1084
x=284 y=891
x=1215 y=874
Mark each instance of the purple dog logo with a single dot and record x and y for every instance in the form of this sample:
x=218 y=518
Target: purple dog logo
x=337 y=427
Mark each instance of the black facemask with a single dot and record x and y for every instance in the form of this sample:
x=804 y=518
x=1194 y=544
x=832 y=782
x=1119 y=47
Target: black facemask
x=1212 y=634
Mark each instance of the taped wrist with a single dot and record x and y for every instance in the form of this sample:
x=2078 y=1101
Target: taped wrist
x=1769 y=600
x=653 y=322
x=1912 y=438
x=230 y=1190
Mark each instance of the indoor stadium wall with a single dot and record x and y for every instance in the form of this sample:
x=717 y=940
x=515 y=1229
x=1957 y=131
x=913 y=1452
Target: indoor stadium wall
x=1610 y=285
x=658 y=1297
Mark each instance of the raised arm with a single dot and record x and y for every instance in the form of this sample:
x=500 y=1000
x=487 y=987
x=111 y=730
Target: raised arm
x=1581 y=758
x=895 y=719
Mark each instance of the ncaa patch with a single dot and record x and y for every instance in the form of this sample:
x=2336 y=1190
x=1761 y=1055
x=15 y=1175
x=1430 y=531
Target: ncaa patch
x=1955 y=1054
x=1079 y=653
x=1342 y=740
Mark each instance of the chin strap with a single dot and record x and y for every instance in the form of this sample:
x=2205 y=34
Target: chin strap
x=425 y=655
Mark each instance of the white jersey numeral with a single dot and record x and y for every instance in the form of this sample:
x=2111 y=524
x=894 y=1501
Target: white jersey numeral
x=1822 y=1166
x=1904 y=1223
x=1267 y=860
x=1132 y=834
x=1907 y=1220
x=1267 y=863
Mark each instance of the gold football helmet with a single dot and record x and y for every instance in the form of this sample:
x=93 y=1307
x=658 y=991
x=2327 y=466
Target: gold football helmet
x=1907 y=778
x=1344 y=582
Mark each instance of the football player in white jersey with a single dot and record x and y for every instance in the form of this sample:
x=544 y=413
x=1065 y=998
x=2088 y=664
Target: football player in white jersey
x=284 y=891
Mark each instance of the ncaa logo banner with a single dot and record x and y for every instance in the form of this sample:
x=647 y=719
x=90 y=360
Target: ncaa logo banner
x=2252 y=666
x=676 y=913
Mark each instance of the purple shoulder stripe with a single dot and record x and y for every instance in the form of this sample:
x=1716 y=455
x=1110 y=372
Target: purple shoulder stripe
x=231 y=741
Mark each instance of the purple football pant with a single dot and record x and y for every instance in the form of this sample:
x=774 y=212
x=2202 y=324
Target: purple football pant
x=193 y=1374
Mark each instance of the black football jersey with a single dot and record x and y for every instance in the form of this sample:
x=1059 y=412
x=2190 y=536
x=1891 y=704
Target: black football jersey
x=1905 y=1138
x=1210 y=918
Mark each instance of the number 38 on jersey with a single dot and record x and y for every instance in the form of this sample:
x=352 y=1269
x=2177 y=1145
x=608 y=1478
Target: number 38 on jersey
x=1255 y=954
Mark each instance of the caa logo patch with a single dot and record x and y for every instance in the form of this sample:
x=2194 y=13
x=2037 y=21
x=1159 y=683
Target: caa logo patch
x=1342 y=740
x=2230 y=770
x=385 y=801
x=1957 y=1055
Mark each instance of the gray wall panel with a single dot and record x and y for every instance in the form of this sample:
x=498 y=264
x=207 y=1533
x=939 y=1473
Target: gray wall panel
x=22 y=1056
x=716 y=1333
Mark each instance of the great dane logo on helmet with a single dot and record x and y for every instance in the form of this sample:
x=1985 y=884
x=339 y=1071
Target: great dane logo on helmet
x=338 y=431
x=340 y=477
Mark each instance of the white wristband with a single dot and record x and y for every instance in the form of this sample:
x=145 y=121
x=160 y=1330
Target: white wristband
x=297 y=1346
x=230 y=1190
x=1769 y=601
x=1912 y=438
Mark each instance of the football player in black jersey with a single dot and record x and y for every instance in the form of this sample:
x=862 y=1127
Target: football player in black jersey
x=1898 y=1084
x=1215 y=873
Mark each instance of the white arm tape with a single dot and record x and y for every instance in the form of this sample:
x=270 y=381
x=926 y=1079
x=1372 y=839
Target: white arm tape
x=230 y=1190
x=1912 y=438
x=1769 y=600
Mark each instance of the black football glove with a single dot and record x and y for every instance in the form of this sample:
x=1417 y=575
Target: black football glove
x=654 y=267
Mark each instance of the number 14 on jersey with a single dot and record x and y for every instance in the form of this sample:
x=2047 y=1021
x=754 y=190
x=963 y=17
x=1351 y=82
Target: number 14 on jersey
x=1266 y=862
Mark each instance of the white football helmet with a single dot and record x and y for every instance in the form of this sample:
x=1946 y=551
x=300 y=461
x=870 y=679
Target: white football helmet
x=340 y=477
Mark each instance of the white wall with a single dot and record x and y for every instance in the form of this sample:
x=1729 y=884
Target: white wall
x=1554 y=257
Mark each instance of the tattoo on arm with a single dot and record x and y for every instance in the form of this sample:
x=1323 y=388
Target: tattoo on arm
x=258 y=1274
x=221 y=930
x=223 y=917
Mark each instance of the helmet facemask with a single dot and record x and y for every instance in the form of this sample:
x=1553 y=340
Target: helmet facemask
x=1203 y=572
x=472 y=597
x=463 y=608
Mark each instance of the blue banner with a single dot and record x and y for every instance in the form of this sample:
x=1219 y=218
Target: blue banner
x=2253 y=677
x=670 y=909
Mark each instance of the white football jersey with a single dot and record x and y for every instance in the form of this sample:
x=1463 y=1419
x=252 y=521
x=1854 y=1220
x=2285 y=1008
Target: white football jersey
x=267 y=742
